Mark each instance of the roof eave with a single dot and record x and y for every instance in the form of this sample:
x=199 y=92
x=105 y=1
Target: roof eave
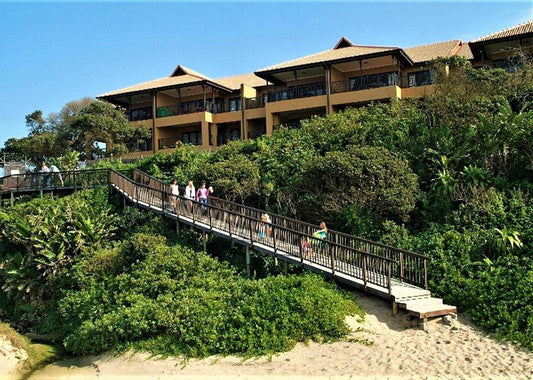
x=267 y=74
x=169 y=87
x=501 y=39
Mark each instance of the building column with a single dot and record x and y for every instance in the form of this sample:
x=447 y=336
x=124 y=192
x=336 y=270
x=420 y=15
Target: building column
x=205 y=134
x=271 y=119
x=244 y=124
x=329 y=108
x=214 y=134
x=155 y=135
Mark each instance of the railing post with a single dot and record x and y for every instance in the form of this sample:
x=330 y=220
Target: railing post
x=332 y=257
x=301 y=241
x=389 y=264
x=229 y=224
x=401 y=266
x=425 y=274
x=273 y=232
x=364 y=270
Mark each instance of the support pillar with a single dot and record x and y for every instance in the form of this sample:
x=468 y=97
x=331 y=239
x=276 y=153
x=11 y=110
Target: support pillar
x=329 y=109
x=285 y=271
x=205 y=241
x=394 y=308
x=178 y=230
x=11 y=199
x=154 y=116
x=247 y=261
x=205 y=134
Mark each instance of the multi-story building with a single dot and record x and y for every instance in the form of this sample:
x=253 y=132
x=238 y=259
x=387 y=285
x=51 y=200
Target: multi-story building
x=192 y=108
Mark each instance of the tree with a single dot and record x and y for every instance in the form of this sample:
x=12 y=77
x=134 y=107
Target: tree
x=36 y=123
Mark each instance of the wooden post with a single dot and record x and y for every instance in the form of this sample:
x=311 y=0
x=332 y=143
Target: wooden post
x=178 y=227
x=285 y=267
x=247 y=261
x=394 y=308
x=401 y=266
x=205 y=241
x=425 y=274
x=12 y=199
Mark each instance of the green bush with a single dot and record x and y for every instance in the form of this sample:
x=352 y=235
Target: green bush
x=177 y=301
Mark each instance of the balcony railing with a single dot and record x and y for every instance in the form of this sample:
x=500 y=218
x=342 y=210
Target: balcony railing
x=295 y=92
x=168 y=143
x=257 y=102
x=256 y=134
x=139 y=114
x=289 y=125
x=365 y=82
x=421 y=78
x=198 y=106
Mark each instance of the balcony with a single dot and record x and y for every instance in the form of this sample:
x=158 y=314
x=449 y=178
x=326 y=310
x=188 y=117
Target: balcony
x=192 y=138
x=257 y=102
x=139 y=114
x=184 y=108
x=417 y=79
x=295 y=92
x=365 y=82
x=288 y=125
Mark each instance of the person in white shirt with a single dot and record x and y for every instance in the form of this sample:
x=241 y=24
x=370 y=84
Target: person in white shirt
x=190 y=194
x=56 y=174
x=174 y=190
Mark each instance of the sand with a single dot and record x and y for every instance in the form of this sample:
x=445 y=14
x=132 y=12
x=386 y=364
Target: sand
x=10 y=359
x=394 y=349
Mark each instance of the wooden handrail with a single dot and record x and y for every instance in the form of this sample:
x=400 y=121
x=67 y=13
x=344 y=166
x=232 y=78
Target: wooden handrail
x=234 y=221
x=341 y=252
x=408 y=264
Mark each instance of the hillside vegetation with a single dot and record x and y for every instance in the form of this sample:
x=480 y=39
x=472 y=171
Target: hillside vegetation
x=96 y=278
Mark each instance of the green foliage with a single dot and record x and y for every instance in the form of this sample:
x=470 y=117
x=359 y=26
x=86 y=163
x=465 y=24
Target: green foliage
x=172 y=300
x=43 y=236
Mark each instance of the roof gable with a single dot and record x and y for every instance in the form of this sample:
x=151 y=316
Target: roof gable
x=343 y=42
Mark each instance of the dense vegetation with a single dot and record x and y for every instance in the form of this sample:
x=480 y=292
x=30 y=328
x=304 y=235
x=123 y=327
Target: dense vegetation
x=448 y=176
x=98 y=278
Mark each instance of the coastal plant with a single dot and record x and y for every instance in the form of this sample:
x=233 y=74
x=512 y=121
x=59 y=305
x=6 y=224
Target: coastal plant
x=176 y=301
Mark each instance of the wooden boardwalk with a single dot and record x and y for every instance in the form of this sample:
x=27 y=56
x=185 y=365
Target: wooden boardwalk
x=394 y=274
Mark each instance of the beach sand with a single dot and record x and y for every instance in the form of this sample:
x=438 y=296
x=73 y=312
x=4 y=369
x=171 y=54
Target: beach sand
x=384 y=346
x=10 y=359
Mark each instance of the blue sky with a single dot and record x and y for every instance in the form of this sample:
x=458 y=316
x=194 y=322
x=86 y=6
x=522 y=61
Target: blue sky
x=57 y=52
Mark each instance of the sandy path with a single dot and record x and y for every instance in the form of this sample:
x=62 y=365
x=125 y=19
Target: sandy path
x=399 y=351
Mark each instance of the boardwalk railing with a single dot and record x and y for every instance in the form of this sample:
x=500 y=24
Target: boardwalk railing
x=76 y=179
x=340 y=252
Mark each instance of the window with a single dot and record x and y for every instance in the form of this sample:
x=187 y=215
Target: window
x=512 y=65
x=235 y=134
x=419 y=78
x=193 y=138
x=235 y=104
x=372 y=81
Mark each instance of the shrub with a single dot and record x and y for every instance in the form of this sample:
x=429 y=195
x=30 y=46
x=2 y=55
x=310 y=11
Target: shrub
x=177 y=301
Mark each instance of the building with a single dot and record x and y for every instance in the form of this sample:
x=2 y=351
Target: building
x=192 y=108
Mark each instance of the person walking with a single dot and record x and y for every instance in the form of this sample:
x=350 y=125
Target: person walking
x=56 y=174
x=190 y=193
x=202 y=194
x=46 y=175
x=319 y=236
x=174 y=190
